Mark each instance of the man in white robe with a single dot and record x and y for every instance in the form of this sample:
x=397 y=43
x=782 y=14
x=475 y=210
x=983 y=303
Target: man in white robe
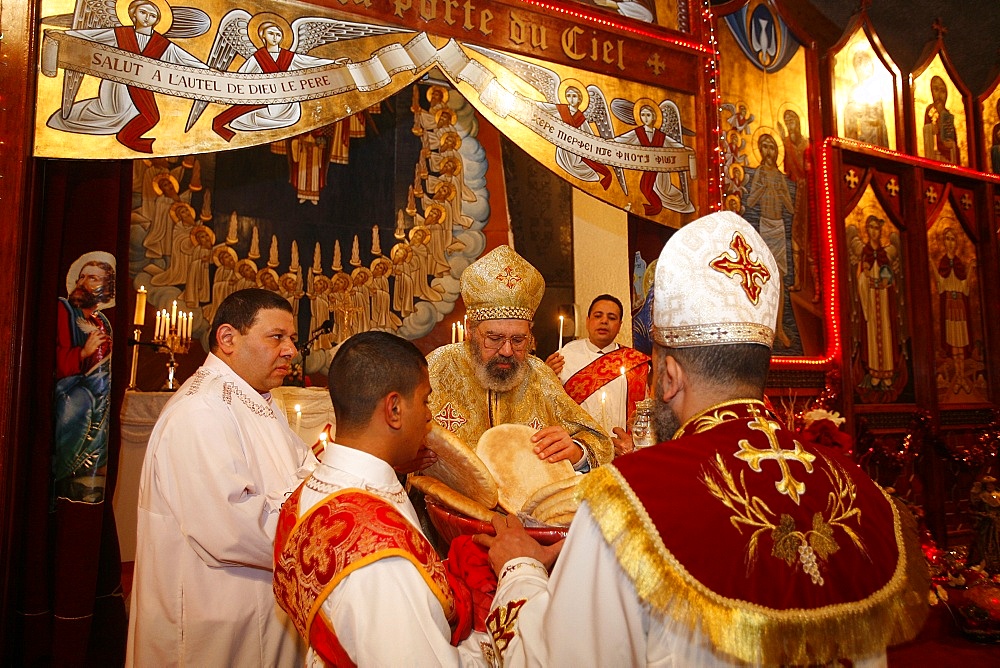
x=220 y=462
x=352 y=526
x=603 y=376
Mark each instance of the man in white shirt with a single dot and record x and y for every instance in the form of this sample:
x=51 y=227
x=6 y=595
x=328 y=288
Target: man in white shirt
x=352 y=567
x=604 y=377
x=220 y=462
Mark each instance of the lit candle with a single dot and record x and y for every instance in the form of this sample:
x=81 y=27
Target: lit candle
x=190 y=323
x=560 y=332
x=625 y=396
x=173 y=315
x=461 y=332
x=156 y=330
x=140 y=307
x=454 y=332
x=298 y=417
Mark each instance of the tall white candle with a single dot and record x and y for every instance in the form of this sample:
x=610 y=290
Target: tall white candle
x=190 y=323
x=625 y=398
x=156 y=330
x=298 y=418
x=560 y=332
x=173 y=315
x=454 y=332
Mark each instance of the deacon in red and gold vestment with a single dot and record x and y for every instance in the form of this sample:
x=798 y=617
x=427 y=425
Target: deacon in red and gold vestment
x=604 y=377
x=491 y=379
x=733 y=543
x=352 y=568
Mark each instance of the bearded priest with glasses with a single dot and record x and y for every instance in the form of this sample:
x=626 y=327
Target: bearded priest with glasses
x=491 y=378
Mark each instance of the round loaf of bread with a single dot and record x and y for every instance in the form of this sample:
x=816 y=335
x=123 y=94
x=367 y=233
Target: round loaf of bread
x=449 y=498
x=547 y=491
x=561 y=503
x=509 y=454
x=460 y=468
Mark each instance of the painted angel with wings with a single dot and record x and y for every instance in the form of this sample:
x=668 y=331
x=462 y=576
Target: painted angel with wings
x=658 y=125
x=877 y=313
x=269 y=44
x=143 y=27
x=576 y=105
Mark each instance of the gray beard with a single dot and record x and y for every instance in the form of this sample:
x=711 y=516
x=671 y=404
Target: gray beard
x=498 y=380
x=665 y=421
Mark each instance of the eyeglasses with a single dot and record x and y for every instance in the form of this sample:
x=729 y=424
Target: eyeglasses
x=496 y=341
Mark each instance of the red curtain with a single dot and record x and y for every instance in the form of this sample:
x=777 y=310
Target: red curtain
x=70 y=607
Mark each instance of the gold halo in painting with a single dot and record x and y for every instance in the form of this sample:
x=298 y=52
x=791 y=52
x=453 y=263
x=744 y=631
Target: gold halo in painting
x=201 y=229
x=166 y=14
x=175 y=214
x=767 y=130
x=224 y=250
x=442 y=212
x=647 y=102
x=158 y=189
x=253 y=28
x=574 y=83
x=442 y=89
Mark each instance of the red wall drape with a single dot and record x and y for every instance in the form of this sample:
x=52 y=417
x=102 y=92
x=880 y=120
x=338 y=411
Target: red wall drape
x=70 y=608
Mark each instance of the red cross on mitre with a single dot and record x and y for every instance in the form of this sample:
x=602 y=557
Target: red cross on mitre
x=449 y=418
x=508 y=277
x=753 y=275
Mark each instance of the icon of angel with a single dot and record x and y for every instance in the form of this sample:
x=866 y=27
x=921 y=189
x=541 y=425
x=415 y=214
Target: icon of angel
x=738 y=118
x=875 y=254
x=569 y=101
x=269 y=45
x=143 y=27
x=656 y=125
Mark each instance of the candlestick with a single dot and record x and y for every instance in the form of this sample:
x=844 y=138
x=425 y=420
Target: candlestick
x=140 y=307
x=560 y=332
x=135 y=358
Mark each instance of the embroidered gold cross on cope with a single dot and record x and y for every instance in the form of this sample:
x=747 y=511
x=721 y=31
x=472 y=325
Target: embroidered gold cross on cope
x=754 y=457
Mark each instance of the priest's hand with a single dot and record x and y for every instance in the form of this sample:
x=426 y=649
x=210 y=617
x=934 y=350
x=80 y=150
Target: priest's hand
x=556 y=362
x=623 y=441
x=512 y=541
x=425 y=457
x=554 y=444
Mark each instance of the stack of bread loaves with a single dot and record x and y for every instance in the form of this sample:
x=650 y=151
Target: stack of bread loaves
x=502 y=471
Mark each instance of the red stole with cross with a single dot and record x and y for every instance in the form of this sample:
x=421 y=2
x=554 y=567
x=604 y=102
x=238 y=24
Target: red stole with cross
x=348 y=530
x=605 y=369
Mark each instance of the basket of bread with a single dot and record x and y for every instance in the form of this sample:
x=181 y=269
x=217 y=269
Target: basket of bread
x=466 y=486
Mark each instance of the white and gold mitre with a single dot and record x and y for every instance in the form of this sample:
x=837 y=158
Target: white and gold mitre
x=501 y=285
x=716 y=283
